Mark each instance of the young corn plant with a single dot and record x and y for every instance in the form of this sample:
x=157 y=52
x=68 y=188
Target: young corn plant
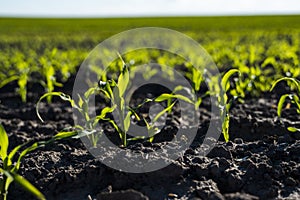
x=225 y=102
x=196 y=78
x=114 y=92
x=22 y=79
x=48 y=72
x=82 y=106
x=10 y=165
x=220 y=89
x=294 y=98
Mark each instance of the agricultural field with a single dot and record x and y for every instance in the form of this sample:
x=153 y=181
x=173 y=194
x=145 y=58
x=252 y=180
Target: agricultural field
x=257 y=98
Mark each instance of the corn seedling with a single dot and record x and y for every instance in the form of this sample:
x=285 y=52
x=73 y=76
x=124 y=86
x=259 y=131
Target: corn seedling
x=220 y=89
x=196 y=78
x=21 y=78
x=88 y=129
x=11 y=166
x=225 y=103
x=48 y=72
x=294 y=98
x=114 y=92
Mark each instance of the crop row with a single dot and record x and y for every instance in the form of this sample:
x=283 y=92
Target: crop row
x=261 y=58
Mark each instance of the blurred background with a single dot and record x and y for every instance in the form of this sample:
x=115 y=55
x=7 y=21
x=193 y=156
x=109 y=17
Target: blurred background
x=115 y=8
x=44 y=42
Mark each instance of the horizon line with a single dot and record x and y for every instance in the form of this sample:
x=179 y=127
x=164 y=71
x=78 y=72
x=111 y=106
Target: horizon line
x=150 y=15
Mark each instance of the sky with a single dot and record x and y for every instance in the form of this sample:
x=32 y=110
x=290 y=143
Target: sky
x=114 y=8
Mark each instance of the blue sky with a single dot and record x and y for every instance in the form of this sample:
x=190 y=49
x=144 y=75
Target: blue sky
x=107 y=8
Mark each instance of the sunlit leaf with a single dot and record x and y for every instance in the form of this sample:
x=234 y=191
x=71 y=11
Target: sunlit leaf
x=293 y=129
x=281 y=103
x=28 y=186
x=64 y=134
x=226 y=77
x=166 y=96
x=163 y=112
x=3 y=143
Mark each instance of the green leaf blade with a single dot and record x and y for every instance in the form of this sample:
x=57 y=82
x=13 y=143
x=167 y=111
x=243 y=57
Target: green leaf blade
x=3 y=143
x=28 y=186
x=281 y=103
x=293 y=129
x=227 y=76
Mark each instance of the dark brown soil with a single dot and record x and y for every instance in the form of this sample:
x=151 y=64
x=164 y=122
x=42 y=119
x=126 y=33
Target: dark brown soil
x=262 y=160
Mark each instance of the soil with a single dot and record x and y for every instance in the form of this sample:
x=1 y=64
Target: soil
x=261 y=161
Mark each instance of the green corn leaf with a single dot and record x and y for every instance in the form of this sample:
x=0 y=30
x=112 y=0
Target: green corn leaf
x=151 y=138
x=123 y=62
x=123 y=82
x=281 y=103
x=269 y=60
x=13 y=152
x=184 y=98
x=80 y=101
x=147 y=124
x=145 y=101
x=166 y=96
x=25 y=152
x=109 y=90
x=22 y=82
x=106 y=110
x=90 y=92
x=178 y=88
x=53 y=52
x=197 y=79
x=8 y=80
x=226 y=78
x=163 y=97
x=198 y=103
x=296 y=101
x=59 y=94
x=225 y=128
x=57 y=84
x=9 y=180
x=293 y=80
x=135 y=114
x=229 y=104
x=50 y=73
x=27 y=186
x=163 y=112
x=105 y=93
x=3 y=143
x=127 y=122
x=115 y=125
x=151 y=130
x=123 y=79
x=64 y=134
x=103 y=114
x=117 y=96
x=293 y=129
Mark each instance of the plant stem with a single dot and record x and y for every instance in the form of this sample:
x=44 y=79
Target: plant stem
x=3 y=195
